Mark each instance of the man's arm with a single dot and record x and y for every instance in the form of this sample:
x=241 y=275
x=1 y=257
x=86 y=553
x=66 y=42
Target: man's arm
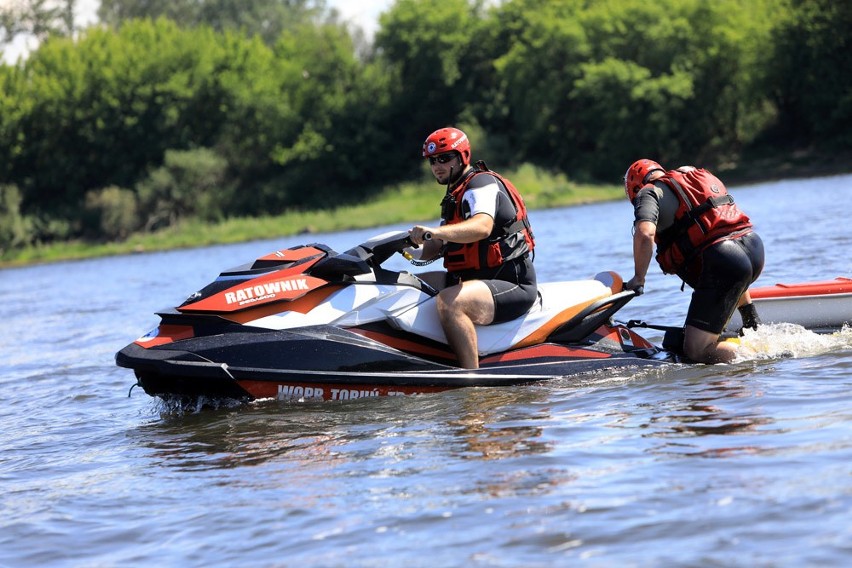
x=643 y=252
x=470 y=230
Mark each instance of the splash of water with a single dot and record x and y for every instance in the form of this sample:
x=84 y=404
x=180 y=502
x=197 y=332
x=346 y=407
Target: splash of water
x=772 y=341
x=181 y=405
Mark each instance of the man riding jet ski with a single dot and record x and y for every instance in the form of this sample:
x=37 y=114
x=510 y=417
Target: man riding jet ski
x=485 y=240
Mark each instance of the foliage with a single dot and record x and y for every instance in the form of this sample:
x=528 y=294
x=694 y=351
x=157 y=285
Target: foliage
x=36 y=18
x=105 y=109
x=266 y=18
x=408 y=202
x=112 y=213
x=588 y=88
x=14 y=228
x=425 y=50
x=190 y=183
x=198 y=111
x=318 y=159
x=809 y=79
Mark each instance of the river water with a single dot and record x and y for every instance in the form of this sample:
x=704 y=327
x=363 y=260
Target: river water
x=748 y=464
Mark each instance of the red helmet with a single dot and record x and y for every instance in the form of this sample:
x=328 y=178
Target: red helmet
x=636 y=174
x=446 y=140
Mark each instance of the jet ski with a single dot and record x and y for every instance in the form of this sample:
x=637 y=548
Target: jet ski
x=310 y=323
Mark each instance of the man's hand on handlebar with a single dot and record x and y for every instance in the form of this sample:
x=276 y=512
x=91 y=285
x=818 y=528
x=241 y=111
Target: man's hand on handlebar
x=637 y=286
x=419 y=235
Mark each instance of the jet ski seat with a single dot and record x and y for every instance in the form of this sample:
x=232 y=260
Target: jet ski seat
x=558 y=304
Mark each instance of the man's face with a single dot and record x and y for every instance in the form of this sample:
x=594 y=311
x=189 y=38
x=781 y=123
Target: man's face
x=442 y=164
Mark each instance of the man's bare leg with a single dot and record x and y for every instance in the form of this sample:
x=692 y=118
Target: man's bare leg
x=704 y=347
x=459 y=308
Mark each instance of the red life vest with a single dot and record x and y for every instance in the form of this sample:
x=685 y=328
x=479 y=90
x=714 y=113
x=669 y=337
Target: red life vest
x=706 y=214
x=505 y=243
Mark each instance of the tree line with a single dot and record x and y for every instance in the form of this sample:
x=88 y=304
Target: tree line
x=217 y=108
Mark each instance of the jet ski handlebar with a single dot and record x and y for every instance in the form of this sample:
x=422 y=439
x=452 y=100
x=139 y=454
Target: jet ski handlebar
x=382 y=247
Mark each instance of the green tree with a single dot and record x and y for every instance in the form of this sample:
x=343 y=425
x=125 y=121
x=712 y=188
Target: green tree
x=190 y=183
x=424 y=46
x=267 y=18
x=312 y=158
x=593 y=84
x=810 y=80
x=102 y=111
x=537 y=47
x=111 y=213
x=36 y=18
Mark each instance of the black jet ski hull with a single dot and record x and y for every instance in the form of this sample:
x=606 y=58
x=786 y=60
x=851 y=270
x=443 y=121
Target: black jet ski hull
x=328 y=363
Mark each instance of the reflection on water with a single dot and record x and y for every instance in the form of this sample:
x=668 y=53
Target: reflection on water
x=711 y=409
x=486 y=424
x=500 y=424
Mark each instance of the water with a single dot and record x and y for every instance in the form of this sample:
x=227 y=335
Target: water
x=739 y=465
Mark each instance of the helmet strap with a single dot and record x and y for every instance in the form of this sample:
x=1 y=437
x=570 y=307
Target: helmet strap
x=454 y=178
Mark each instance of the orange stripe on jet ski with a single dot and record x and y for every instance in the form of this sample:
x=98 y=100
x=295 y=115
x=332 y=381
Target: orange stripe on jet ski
x=404 y=344
x=167 y=333
x=611 y=279
x=302 y=305
x=293 y=254
x=541 y=351
x=542 y=333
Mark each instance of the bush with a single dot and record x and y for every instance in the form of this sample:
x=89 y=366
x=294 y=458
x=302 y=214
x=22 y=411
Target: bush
x=112 y=213
x=191 y=183
x=15 y=229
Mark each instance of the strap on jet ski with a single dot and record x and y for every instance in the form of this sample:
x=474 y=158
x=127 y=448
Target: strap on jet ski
x=672 y=338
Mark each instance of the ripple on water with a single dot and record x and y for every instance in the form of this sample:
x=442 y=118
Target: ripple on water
x=740 y=464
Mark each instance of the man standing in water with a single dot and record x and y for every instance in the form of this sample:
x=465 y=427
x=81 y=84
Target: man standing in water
x=485 y=240
x=704 y=238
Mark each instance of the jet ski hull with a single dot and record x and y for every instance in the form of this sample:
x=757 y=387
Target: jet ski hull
x=327 y=363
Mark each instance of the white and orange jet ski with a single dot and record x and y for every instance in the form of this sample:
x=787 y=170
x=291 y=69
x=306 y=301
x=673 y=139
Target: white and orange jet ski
x=310 y=323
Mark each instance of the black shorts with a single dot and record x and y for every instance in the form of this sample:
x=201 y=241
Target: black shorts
x=513 y=287
x=725 y=271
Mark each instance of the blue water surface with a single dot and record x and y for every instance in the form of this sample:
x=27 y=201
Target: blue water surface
x=748 y=464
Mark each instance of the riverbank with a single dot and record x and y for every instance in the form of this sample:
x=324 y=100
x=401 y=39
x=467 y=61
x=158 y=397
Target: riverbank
x=764 y=165
x=409 y=202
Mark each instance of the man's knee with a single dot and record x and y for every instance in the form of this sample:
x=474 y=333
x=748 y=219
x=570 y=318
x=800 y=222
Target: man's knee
x=471 y=299
x=695 y=352
x=698 y=344
x=446 y=300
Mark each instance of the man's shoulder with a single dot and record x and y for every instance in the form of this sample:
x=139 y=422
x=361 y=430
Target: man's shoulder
x=654 y=190
x=483 y=179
